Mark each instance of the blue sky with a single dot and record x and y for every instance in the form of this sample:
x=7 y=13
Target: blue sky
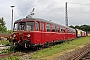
x=54 y=10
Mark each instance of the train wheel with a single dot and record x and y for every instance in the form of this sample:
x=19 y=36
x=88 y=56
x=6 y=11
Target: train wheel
x=34 y=48
x=40 y=47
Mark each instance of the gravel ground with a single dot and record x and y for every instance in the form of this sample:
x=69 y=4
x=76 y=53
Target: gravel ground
x=26 y=57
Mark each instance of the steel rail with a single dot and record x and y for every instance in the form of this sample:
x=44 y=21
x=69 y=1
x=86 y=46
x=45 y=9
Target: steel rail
x=78 y=57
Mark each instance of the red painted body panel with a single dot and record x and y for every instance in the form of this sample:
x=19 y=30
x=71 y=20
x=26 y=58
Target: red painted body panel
x=38 y=37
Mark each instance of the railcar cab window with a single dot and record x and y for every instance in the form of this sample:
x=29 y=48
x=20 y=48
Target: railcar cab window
x=47 y=27
x=21 y=26
x=16 y=27
x=29 y=26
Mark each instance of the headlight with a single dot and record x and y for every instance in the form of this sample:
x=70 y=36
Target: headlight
x=28 y=35
x=14 y=35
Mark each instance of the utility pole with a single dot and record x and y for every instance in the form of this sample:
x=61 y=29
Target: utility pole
x=66 y=15
x=12 y=18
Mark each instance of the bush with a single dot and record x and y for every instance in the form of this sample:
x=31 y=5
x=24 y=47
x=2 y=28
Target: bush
x=11 y=49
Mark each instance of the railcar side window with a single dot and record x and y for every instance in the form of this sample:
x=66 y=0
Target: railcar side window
x=53 y=28
x=69 y=30
x=37 y=26
x=29 y=26
x=48 y=27
x=41 y=26
x=57 y=29
x=61 y=30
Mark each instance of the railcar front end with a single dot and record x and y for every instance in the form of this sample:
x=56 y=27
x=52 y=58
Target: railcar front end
x=24 y=33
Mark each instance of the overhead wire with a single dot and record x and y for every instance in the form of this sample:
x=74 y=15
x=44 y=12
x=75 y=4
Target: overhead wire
x=78 y=3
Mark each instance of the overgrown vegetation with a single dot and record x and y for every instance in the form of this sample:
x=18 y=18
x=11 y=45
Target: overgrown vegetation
x=60 y=48
x=7 y=43
x=11 y=49
x=11 y=57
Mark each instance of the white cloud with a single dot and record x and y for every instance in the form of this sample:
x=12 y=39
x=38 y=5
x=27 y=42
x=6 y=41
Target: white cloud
x=47 y=9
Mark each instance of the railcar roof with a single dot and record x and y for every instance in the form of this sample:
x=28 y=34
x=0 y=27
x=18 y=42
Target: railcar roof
x=39 y=19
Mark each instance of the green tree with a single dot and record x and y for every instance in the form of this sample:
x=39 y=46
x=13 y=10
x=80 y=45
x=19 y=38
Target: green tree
x=78 y=27
x=72 y=26
x=85 y=27
x=82 y=27
x=2 y=22
x=3 y=28
x=9 y=31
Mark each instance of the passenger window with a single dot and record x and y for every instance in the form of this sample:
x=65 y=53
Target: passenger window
x=48 y=27
x=37 y=26
x=41 y=26
x=53 y=28
x=69 y=30
x=61 y=30
x=57 y=29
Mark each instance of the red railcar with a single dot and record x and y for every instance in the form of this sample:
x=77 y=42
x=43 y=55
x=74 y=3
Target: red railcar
x=34 y=31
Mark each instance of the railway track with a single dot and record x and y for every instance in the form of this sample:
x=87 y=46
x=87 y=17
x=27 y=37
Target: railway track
x=17 y=53
x=86 y=57
x=11 y=53
x=78 y=57
x=76 y=54
x=22 y=53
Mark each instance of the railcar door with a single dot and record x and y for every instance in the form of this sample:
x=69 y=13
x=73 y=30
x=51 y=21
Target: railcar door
x=47 y=33
x=42 y=29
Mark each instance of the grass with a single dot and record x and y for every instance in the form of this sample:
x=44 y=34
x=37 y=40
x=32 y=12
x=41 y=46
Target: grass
x=60 y=48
